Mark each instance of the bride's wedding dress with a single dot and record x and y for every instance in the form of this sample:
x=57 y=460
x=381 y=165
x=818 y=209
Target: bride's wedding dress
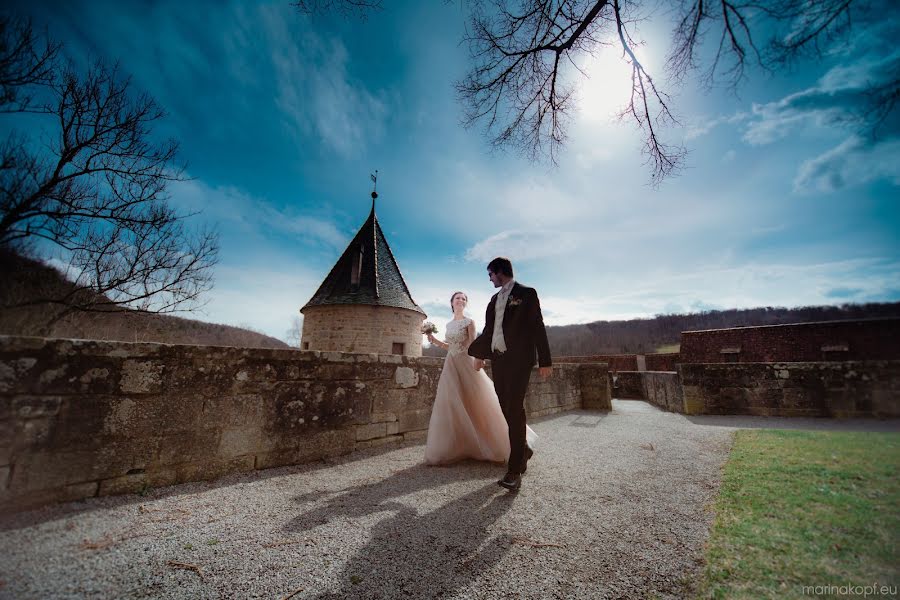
x=466 y=420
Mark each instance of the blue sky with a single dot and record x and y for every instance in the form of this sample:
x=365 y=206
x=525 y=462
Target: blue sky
x=282 y=118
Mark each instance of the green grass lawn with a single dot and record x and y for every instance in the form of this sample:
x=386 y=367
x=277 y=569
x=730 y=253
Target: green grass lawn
x=668 y=348
x=802 y=508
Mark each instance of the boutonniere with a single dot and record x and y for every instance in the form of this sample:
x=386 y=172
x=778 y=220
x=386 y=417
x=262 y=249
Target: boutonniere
x=513 y=301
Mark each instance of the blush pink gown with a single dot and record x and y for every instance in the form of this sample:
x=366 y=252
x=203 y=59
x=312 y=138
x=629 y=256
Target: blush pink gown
x=466 y=420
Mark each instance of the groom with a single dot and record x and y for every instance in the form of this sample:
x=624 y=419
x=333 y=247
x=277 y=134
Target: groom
x=513 y=333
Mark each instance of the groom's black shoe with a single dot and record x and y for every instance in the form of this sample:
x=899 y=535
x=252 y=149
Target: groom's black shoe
x=528 y=454
x=511 y=481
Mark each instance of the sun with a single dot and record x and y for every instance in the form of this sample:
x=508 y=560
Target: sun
x=606 y=87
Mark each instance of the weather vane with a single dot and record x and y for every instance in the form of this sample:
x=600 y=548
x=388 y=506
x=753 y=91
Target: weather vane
x=374 y=177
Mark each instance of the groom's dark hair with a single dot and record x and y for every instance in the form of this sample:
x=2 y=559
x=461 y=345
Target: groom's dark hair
x=501 y=264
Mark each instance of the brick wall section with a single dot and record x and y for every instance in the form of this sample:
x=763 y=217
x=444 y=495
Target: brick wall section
x=872 y=339
x=362 y=329
x=822 y=389
x=663 y=361
x=80 y=418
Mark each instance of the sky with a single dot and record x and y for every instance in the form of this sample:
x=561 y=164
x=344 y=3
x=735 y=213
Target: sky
x=282 y=117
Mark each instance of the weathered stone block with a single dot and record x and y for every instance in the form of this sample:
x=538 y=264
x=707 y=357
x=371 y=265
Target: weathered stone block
x=372 y=430
x=212 y=469
x=694 y=403
x=246 y=440
x=415 y=436
x=234 y=410
x=414 y=419
x=390 y=401
x=32 y=433
x=141 y=377
x=391 y=439
x=13 y=371
x=886 y=403
x=405 y=377
x=195 y=445
x=383 y=417
x=308 y=448
x=137 y=482
x=49 y=470
x=30 y=407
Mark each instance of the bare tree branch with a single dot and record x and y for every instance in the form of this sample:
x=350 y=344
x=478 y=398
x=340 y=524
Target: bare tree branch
x=98 y=194
x=349 y=8
x=525 y=55
x=25 y=62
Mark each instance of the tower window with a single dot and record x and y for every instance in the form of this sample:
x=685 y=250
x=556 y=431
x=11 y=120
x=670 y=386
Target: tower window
x=397 y=348
x=356 y=269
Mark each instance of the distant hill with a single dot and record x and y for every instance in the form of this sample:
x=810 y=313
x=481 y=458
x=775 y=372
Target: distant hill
x=663 y=332
x=643 y=336
x=24 y=278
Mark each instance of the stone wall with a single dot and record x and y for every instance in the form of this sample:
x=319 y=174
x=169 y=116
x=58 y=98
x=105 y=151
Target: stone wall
x=84 y=418
x=870 y=339
x=362 y=329
x=616 y=362
x=816 y=389
x=663 y=389
x=627 y=385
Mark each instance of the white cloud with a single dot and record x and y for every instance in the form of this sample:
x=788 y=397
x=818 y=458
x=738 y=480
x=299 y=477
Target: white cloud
x=702 y=126
x=851 y=163
x=316 y=94
x=522 y=245
x=228 y=204
x=265 y=298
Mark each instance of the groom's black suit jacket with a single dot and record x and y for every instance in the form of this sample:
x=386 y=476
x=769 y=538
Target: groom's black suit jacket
x=523 y=329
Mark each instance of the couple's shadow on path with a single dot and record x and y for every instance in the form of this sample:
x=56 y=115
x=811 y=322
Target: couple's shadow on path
x=417 y=552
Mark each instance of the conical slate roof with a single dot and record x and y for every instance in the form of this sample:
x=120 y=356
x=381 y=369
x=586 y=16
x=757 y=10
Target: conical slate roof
x=379 y=280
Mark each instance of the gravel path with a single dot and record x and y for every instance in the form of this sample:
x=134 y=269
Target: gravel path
x=614 y=505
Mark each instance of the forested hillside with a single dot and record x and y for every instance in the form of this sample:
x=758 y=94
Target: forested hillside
x=25 y=280
x=663 y=332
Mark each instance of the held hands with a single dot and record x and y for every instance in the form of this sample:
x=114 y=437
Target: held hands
x=479 y=364
x=545 y=372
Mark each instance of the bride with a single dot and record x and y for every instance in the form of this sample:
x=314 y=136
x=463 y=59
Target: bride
x=466 y=420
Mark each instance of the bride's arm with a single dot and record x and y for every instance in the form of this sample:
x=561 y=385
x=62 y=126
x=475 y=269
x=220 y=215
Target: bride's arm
x=472 y=334
x=438 y=342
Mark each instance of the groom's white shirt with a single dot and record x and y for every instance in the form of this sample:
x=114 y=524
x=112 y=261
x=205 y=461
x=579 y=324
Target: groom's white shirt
x=498 y=343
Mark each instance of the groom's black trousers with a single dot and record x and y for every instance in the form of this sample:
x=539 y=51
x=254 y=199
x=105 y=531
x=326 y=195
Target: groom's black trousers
x=511 y=382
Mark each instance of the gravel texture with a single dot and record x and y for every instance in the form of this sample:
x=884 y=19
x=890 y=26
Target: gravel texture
x=614 y=505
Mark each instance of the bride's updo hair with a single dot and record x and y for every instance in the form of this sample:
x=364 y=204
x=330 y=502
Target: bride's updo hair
x=454 y=296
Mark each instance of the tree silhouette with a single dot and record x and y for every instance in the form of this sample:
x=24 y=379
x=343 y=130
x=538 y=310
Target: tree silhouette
x=527 y=60
x=87 y=184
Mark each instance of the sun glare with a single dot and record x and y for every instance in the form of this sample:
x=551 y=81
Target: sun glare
x=607 y=88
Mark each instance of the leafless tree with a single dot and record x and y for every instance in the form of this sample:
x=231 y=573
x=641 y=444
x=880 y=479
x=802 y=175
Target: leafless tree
x=526 y=56
x=295 y=333
x=91 y=185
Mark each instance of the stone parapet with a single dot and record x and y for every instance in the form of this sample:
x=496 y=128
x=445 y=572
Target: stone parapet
x=810 y=389
x=86 y=418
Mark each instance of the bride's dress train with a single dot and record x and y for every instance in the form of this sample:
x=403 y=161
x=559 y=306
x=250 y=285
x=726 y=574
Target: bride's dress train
x=466 y=420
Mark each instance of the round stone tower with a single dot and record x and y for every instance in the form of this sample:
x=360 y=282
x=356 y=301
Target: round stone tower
x=364 y=305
